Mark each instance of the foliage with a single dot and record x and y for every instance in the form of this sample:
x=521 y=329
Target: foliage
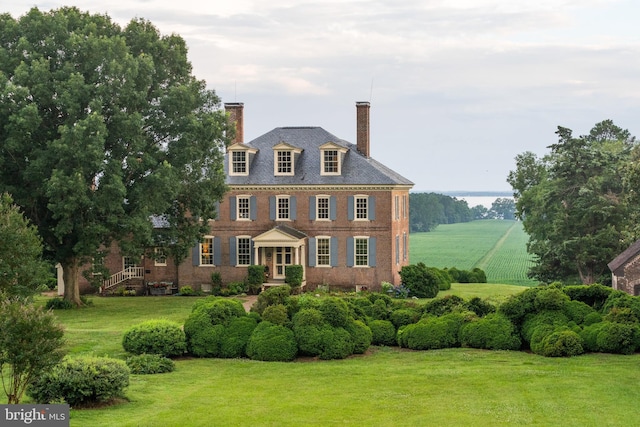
x=156 y=336
x=476 y=275
x=145 y=364
x=593 y=295
x=104 y=127
x=338 y=344
x=272 y=296
x=404 y=316
x=420 y=280
x=427 y=210
x=579 y=312
x=383 y=332
x=550 y=299
x=21 y=267
x=480 y=306
x=551 y=318
x=502 y=208
x=493 y=332
x=620 y=338
x=444 y=305
x=433 y=333
x=293 y=275
x=58 y=304
x=30 y=343
x=361 y=336
x=379 y=310
x=236 y=336
x=559 y=342
x=82 y=381
x=574 y=204
x=255 y=278
x=335 y=311
x=272 y=343
x=276 y=314
x=187 y=291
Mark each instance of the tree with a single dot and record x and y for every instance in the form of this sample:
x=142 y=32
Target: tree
x=21 y=265
x=503 y=208
x=103 y=128
x=573 y=203
x=30 y=344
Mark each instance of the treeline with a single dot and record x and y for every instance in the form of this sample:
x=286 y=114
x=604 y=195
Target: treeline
x=427 y=210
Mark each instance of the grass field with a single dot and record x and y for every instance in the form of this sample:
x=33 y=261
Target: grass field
x=386 y=387
x=498 y=247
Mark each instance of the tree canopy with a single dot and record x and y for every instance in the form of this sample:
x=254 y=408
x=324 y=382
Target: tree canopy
x=574 y=202
x=102 y=128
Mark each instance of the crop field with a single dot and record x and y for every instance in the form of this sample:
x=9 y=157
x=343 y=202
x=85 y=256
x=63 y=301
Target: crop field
x=496 y=246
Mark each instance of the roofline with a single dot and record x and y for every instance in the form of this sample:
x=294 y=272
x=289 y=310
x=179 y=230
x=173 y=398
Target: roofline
x=319 y=187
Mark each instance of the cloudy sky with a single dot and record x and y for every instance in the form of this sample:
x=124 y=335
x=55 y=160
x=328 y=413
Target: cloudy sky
x=457 y=88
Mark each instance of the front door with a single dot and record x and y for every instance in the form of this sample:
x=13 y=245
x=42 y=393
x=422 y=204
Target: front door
x=283 y=257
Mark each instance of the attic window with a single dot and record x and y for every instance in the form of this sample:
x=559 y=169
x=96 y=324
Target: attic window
x=284 y=163
x=238 y=162
x=331 y=157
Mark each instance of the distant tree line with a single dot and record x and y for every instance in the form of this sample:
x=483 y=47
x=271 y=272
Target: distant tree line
x=428 y=210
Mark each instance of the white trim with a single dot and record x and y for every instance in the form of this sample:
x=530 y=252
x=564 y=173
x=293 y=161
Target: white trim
x=328 y=238
x=323 y=196
x=355 y=206
x=355 y=251
x=200 y=263
x=248 y=198
x=238 y=251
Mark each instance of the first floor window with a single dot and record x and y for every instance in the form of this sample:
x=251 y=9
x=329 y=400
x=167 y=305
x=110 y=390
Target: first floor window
x=129 y=262
x=362 y=251
x=323 y=251
x=244 y=251
x=206 y=251
x=160 y=258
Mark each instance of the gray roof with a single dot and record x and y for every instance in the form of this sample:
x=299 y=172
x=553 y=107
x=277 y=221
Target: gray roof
x=356 y=168
x=625 y=256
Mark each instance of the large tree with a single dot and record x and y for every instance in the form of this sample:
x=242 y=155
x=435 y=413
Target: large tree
x=101 y=128
x=574 y=204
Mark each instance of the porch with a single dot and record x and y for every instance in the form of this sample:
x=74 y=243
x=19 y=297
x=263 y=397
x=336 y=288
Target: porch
x=277 y=248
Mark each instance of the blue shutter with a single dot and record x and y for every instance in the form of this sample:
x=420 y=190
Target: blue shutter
x=293 y=208
x=251 y=260
x=217 y=251
x=350 y=209
x=333 y=208
x=232 y=251
x=217 y=208
x=397 y=249
x=312 y=251
x=350 y=253
x=253 y=208
x=232 y=208
x=372 y=208
x=312 y=208
x=195 y=254
x=334 y=252
x=272 y=208
x=372 y=251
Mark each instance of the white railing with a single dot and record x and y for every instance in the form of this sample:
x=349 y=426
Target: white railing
x=121 y=276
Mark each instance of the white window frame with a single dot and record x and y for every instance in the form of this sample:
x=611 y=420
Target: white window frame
x=206 y=247
x=243 y=252
x=324 y=164
x=358 y=214
x=358 y=258
x=397 y=207
x=239 y=208
x=326 y=255
x=280 y=217
x=233 y=163
x=160 y=258
x=280 y=164
x=318 y=208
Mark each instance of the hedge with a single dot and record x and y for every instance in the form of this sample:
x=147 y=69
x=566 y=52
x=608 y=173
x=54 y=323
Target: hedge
x=161 y=337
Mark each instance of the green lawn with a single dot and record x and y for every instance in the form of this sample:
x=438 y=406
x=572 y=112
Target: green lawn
x=387 y=387
x=498 y=247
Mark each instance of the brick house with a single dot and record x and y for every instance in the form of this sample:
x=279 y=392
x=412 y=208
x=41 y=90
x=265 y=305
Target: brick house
x=625 y=270
x=297 y=195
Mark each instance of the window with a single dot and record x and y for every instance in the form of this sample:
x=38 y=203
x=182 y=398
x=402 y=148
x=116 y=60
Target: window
x=243 y=208
x=362 y=251
x=244 y=251
x=238 y=162
x=361 y=207
x=397 y=249
x=323 y=251
x=404 y=206
x=160 y=257
x=206 y=251
x=284 y=163
x=322 y=206
x=282 y=207
x=404 y=246
x=330 y=162
x=397 y=207
x=130 y=262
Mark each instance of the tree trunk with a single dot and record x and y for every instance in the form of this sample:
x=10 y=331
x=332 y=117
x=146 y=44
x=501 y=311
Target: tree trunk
x=70 y=275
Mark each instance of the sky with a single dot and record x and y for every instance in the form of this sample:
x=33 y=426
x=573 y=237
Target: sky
x=458 y=88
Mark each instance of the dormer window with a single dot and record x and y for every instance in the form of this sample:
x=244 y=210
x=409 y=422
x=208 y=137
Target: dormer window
x=331 y=156
x=240 y=156
x=284 y=159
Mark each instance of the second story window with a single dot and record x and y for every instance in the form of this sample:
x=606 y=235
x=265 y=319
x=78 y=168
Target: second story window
x=282 y=207
x=243 y=207
x=362 y=207
x=284 y=166
x=322 y=204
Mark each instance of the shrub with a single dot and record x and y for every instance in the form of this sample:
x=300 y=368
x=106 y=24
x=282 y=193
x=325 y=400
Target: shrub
x=561 y=342
x=203 y=338
x=272 y=296
x=578 y=311
x=236 y=336
x=621 y=315
x=480 y=306
x=589 y=336
x=187 y=291
x=335 y=311
x=550 y=299
x=552 y=318
x=276 y=314
x=404 y=316
x=421 y=282
x=220 y=311
x=216 y=283
x=379 y=310
x=293 y=275
x=235 y=288
x=311 y=338
x=145 y=364
x=161 y=337
x=82 y=381
x=337 y=344
x=478 y=276
x=382 y=332
x=593 y=295
x=274 y=343
x=493 y=332
x=444 y=305
x=361 y=335
x=617 y=338
x=433 y=332
x=255 y=278
x=374 y=296
x=518 y=306
x=58 y=304
x=619 y=300
x=308 y=317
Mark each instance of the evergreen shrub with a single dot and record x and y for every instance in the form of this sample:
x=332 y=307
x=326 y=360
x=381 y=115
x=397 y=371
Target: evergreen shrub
x=236 y=336
x=382 y=332
x=404 y=316
x=272 y=343
x=145 y=364
x=492 y=332
x=335 y=311
x=276 y=314
x=360 y=334
x=157 y=336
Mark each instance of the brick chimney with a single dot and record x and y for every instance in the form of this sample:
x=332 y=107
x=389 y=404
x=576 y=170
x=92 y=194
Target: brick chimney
x=362 y=127
x=236 y=116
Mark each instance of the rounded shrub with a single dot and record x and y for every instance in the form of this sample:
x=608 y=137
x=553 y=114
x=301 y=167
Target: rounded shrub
x=337 y=344
x=144 y=364
x=552 y=318
x=492 y=332
x=361 y=335
x=379 y=310
x=82 y=381
x=550 y=299
x=236 y=337
x=518 y=306
x=561 y=342
x=276 y=314
x=157 y=336
x=310 y=339
x=404 y=316
x=58 y=304
x=272 y=296
x=577 y=311
x=480 y=306
x=421 y=282
x=203 y=338
x=308 y=317
x=220 y=310
x=593 y=295
x=335 y=311
x=272 y=343
x=619 y=338
x=435 y=332
x=444 y=305
x=382 y=332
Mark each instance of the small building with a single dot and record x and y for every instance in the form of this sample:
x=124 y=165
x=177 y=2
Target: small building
x=625 y=270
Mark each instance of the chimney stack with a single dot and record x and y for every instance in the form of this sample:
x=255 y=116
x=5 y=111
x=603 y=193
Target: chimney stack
x=362 y=127
x=236 y=116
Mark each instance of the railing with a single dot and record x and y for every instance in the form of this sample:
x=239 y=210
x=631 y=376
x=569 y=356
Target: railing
x=121 y=276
